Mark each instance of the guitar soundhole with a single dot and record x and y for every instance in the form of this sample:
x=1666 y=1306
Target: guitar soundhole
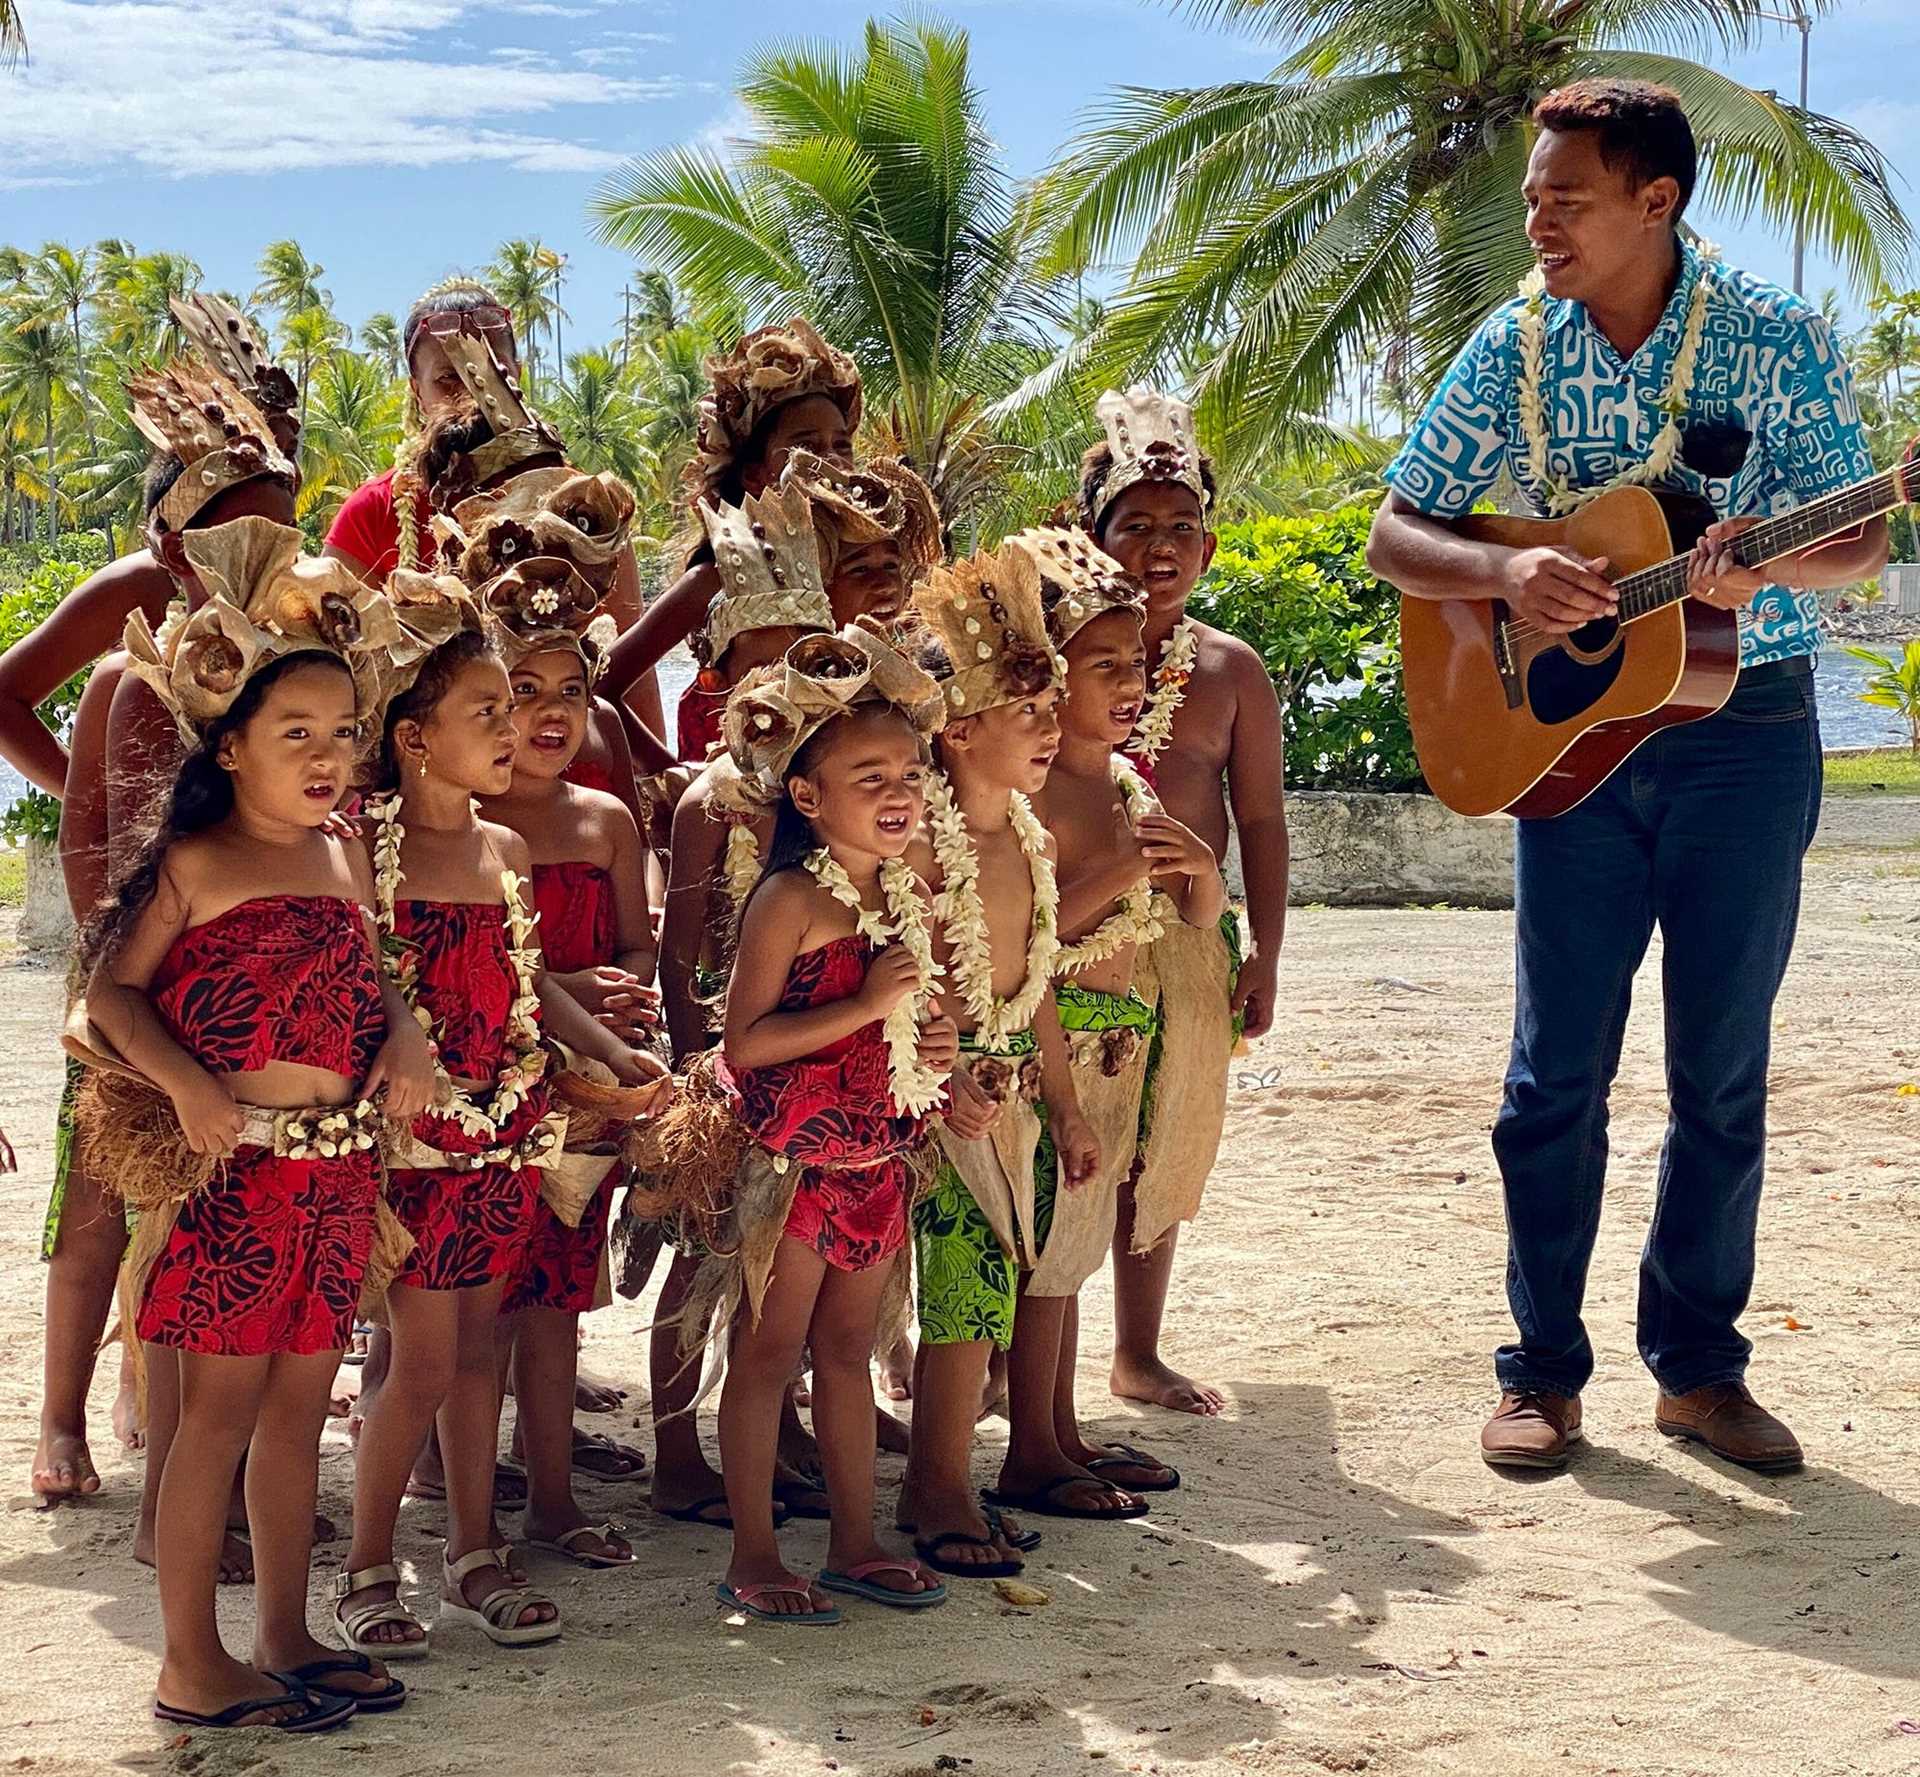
x=1560 y=687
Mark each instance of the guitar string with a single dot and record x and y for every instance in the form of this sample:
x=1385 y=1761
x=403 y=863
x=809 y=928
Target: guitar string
x=1812 y=520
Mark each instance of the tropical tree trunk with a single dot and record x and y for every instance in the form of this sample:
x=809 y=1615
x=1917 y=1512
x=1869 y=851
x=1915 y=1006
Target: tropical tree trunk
x=80 y=383
x=53 y=478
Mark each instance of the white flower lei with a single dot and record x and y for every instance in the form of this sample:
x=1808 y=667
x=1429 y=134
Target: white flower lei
x=528 y=1061
x=995 y=1021
x=916 y=1089
x=1170 y=678
x=1560 y=497
x=1143 y=911
x=741 y=868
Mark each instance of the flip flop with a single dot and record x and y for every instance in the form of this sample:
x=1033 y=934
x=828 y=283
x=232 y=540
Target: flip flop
x=314 y=1674
x=564 y=1545
x=1043 y=1503
x=316 y=1717
x=695 y=1513
x=743 y=1600
x=1130 y=1456
x=788 y=1494
x=928 y=1549
x=858 y=1582
x=1026 y=1542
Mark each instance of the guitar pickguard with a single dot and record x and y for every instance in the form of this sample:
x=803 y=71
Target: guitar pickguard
x=1565 y=681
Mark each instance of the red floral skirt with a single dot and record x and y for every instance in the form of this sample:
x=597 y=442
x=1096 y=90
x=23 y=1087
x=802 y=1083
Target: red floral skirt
x=268 y=1258
x=560 y=1267
x=469 y=1228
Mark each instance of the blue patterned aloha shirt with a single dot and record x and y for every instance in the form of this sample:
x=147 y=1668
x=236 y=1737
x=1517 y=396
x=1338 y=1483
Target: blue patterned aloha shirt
x=1772 y=422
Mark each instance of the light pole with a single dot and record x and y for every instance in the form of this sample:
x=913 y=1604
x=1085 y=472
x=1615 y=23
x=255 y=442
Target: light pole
x=1802 y=21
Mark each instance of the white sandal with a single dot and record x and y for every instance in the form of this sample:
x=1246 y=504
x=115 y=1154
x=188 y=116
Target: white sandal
x=567 y=1544
x=493 y=1615
x=352 y=1628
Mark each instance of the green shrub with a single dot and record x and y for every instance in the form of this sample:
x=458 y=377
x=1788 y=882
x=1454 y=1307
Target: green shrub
x=32 y=582
x=1297 y=591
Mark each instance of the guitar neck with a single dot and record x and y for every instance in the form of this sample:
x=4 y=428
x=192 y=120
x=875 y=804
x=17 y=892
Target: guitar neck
x=1652 y=589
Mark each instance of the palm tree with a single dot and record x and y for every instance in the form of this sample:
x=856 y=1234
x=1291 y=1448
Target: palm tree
x=13 y=34
x=62 y=282
x=652 y=311
x=380 y=336
x=349 y=432
x=289 y=280
x=308 y=334
x=869 y=196
x=135 y=294
x=599 y=419
x=521 y=276
x=19 y=481
x=36 y=375
x=1367 y=188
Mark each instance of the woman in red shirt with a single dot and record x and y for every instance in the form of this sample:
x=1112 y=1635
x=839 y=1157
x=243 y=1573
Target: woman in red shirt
x=366 y=532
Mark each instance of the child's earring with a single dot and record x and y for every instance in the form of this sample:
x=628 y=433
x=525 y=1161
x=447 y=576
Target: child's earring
x=423 y=762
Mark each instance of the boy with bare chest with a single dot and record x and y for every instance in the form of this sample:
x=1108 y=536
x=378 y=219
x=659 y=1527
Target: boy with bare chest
x=1210 y=740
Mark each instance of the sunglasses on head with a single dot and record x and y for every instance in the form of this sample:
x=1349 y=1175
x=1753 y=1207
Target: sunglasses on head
x=488 y=320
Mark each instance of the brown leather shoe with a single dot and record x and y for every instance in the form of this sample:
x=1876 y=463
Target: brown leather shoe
x=1732 y=1424
x=1531 y=1431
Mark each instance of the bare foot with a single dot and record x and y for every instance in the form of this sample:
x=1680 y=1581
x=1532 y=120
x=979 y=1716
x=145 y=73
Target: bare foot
x=591 y=1396
x=889 y=1433
x=236 y=1562
x=63 y=1468
x=896 y=1371
x=126 y=1413
x=207 y=1691
x=345 y=1393
x=1151 y=1382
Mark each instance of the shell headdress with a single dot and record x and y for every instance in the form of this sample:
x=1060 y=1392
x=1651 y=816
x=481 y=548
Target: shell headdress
x=429 y=610
x=1079 y=581
x=264 y=599
x=226 y=340
x=1152 y=438
x=768 y=559
x=539 y=557
x=765 y=370
x=193 y=412
x=775 y=710
x=854 y=507
x=986 y=611
x=519 y=434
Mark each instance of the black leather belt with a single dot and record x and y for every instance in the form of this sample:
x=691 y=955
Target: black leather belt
x=1800 y=666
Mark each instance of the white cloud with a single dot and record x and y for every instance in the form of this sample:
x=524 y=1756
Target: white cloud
x=191 y=87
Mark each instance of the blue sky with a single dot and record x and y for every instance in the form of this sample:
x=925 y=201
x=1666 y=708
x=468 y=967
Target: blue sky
x=399 y=140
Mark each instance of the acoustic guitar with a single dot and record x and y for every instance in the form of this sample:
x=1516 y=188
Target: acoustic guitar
x=1506 y=717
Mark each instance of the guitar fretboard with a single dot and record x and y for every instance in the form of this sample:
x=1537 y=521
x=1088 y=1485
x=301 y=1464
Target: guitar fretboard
x=1652 y=589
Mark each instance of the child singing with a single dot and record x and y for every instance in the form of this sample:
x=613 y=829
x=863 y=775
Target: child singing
x=589 y=886
x=829 y=1064
x=458 y=937
x=234 y=969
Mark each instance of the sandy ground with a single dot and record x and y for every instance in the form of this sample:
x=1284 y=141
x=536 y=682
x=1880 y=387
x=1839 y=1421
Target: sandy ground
x=1341 y=1585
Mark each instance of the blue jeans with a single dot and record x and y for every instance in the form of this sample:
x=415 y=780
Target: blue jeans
x=1702 y=831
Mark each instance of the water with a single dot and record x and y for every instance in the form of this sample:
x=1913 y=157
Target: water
x=1844 y=720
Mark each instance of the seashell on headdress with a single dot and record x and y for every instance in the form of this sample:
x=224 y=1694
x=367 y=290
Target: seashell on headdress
x=986 y=611
x=1152 y=438
x=765 y=370
x=224 y=339
x=193 y=412
x=768 y=559
x=855 y=507
x=264 y=599
x=519 y=434
x=1079 y=581
x=776 y=709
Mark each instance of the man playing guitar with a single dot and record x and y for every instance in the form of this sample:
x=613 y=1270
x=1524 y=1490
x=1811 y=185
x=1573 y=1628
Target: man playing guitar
x=1702 y=831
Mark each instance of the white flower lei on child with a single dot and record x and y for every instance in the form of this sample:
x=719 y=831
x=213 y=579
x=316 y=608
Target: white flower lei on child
x=527 y=1061
x=1143 y=911
x=741 y=868
x=1170 y=678
x=916 y=1089
x=1561 y=498
x=995 y=1021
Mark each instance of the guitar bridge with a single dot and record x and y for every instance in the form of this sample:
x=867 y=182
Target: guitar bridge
x=1503 y=660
